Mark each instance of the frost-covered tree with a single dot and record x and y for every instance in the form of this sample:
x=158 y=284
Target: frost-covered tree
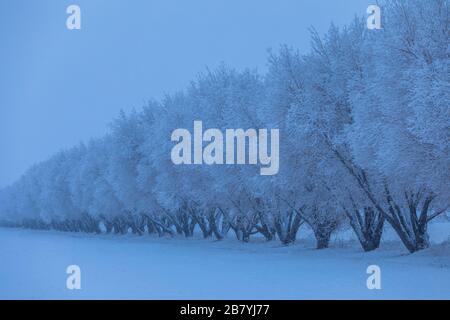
x=399 y=106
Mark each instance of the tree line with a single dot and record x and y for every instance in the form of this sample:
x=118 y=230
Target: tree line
x=364 y=122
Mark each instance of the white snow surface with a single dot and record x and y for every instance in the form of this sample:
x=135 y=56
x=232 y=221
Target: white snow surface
x=33 y=266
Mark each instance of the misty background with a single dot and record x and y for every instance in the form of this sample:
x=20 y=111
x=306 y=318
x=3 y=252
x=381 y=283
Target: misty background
x=60 y=86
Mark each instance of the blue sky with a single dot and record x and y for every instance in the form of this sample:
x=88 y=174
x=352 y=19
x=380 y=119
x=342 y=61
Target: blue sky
x=59 y=87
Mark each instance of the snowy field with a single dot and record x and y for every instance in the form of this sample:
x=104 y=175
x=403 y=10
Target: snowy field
x=33 y=266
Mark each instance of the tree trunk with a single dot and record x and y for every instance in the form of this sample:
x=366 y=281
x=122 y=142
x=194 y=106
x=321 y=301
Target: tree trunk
x=323 y=236
x=287 y=231
x=367 y=227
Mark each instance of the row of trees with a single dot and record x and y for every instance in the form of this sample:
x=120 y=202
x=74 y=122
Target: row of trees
x=365 y=138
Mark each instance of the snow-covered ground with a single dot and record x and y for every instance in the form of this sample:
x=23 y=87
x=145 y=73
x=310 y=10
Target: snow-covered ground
x=33 y=266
